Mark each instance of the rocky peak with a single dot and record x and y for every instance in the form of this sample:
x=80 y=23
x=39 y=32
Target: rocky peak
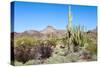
x=49 y=29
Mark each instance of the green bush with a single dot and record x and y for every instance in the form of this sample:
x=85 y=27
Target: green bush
x=25 y=40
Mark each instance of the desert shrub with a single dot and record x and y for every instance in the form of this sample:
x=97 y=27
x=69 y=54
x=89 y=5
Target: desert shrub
x=60 y=55
x=24 y=48
x=25 y=40
x=53 y=41
x=91 y=47
x=55 y=59
x=85 y=55
x=23 y=53
x=44 y=50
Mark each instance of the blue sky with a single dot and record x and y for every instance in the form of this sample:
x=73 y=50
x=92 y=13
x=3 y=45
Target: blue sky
x=36 y=16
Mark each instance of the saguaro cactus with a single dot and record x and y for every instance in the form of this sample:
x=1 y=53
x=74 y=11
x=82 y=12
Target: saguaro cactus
x=69 y=31
x=69 y=26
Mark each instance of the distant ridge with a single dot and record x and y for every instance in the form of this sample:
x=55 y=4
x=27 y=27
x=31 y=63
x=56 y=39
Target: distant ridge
x=49 y=31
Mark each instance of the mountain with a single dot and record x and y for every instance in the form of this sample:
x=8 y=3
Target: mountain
x=51 y=31
x=45 y=33
x=48 y=30
x=33 y=33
